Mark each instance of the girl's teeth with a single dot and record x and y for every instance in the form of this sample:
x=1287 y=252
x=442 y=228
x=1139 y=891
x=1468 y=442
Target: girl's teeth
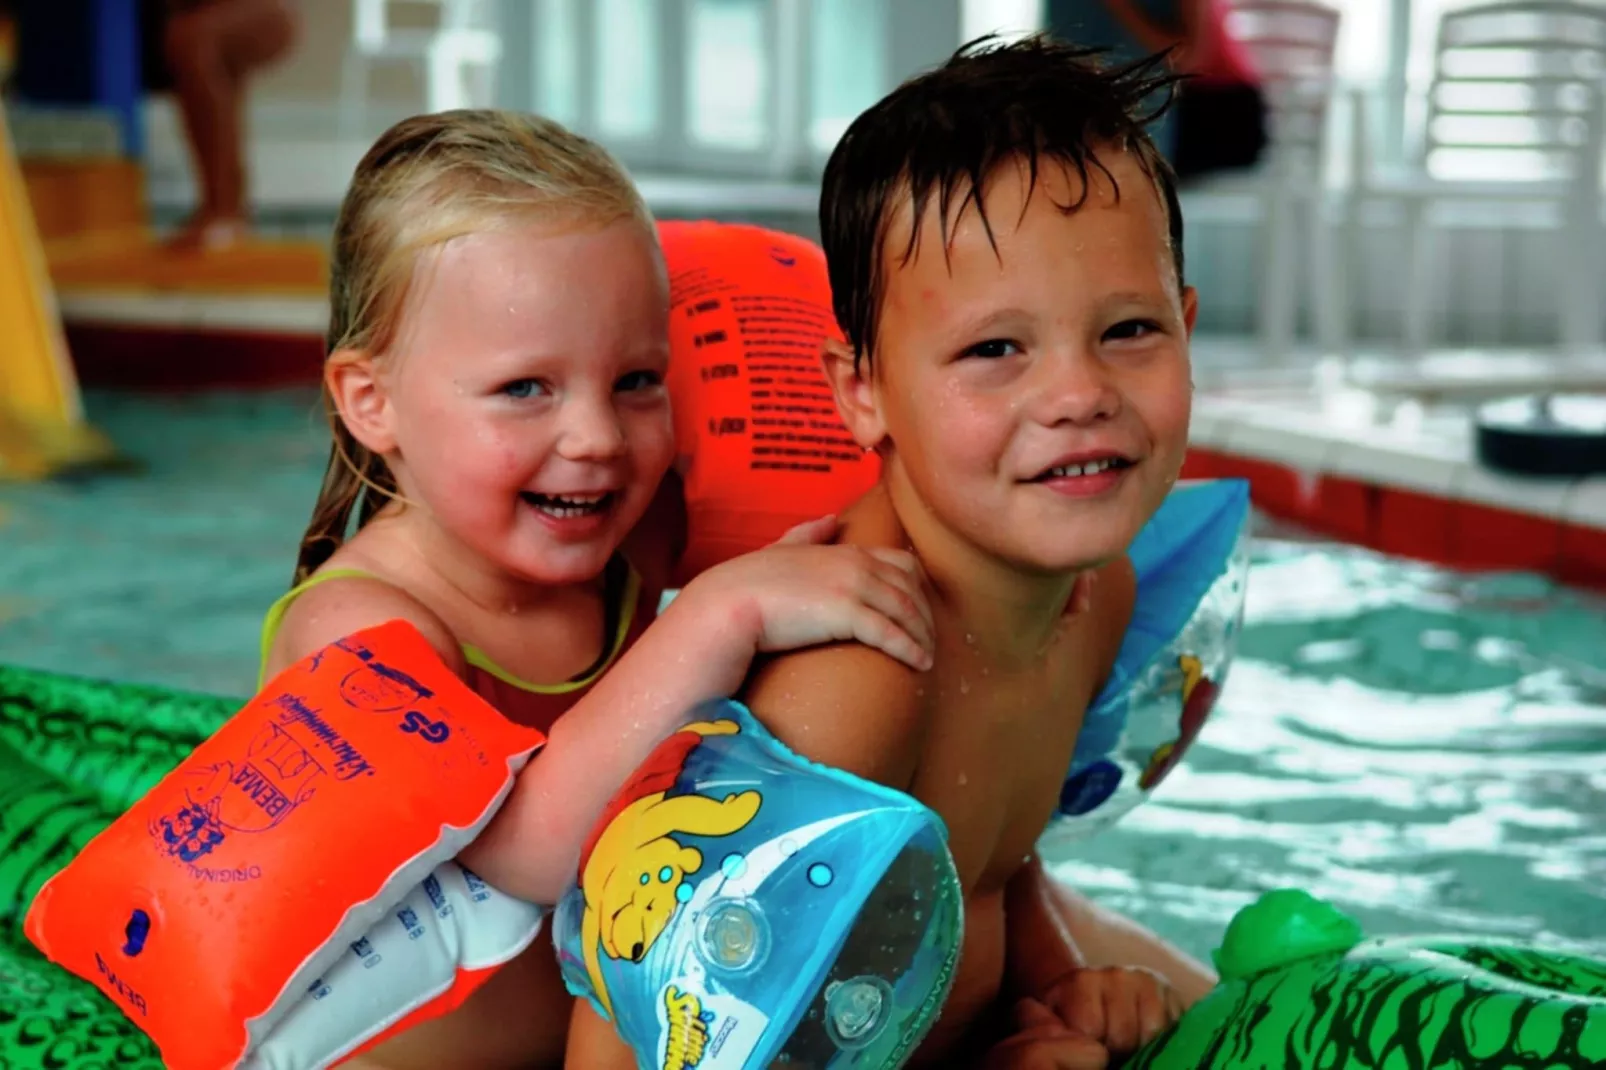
x=567 y=505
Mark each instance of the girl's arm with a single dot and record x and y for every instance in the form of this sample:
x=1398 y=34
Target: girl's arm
x=786 y=596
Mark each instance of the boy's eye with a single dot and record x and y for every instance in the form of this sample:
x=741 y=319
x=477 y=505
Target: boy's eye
x=1130 y=329
x=993 y=349
x=523 y=388
x=643 y=380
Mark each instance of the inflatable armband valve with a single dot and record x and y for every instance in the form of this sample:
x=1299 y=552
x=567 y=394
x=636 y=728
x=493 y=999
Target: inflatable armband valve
x=207 y=910
x=1301 y=987
x=762 y=445
x=1192 y=565
x=740 y=906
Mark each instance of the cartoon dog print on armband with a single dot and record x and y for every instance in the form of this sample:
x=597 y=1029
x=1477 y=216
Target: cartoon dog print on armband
x=633 y=869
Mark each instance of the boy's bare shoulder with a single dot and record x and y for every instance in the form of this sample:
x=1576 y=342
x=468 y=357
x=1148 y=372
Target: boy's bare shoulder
x=846 y=705
x=337 y=608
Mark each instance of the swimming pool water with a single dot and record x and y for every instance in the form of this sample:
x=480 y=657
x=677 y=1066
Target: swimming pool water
x=1427 y=750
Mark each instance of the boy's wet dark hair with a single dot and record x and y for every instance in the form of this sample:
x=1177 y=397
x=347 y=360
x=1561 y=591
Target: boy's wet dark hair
x=945 y=132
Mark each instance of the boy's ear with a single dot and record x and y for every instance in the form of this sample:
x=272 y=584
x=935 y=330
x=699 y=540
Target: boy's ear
x=855 y=394
x=1190 y=308
x=359 y=394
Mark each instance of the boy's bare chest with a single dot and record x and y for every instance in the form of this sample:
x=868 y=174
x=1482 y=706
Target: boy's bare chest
x=994 y=759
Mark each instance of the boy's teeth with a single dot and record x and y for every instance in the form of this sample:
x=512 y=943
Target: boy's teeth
x=1091 y=468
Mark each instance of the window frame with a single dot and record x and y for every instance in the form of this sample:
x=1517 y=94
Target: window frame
x=916 y=35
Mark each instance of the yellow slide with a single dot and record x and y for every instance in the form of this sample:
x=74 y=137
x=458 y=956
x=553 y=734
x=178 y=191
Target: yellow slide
x=42 y=427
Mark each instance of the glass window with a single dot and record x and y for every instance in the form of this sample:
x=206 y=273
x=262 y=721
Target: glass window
x=1006 y=18
x=557 y=84
x=847 y=64
x=627 y=67
x=728 y=91
x=1363 y=31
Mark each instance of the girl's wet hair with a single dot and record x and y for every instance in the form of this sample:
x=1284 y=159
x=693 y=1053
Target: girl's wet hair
x=427 y=180
x=945 y=133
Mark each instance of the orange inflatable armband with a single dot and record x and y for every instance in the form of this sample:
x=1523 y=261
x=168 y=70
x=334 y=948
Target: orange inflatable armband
x=761 y=443
x=208 y=909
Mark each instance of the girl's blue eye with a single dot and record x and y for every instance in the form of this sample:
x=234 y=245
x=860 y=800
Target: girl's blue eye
x=993 y=349
x=522 y=388
x=639 y=381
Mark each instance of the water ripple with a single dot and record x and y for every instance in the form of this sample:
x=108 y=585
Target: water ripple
x=1421 y=747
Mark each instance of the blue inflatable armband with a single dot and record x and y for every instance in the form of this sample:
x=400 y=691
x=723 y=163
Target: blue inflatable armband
x=1192 y=563
x=739 y=905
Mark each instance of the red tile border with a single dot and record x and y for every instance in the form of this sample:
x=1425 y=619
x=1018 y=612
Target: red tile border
x=1484 y=537
x=1581 y=558
x=1347 y=508
x=1413 y=524
x=1284 y=492
x=1204 y=464
x=1407 y=523
x=181 y=359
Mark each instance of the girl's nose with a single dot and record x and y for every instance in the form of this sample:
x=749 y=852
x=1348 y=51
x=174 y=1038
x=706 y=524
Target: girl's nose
x=591 y=432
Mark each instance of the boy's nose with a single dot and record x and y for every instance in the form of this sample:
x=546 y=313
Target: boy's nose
x=1076 y=388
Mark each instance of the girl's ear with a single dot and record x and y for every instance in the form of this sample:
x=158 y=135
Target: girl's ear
x=354 y=383
x=855 y=392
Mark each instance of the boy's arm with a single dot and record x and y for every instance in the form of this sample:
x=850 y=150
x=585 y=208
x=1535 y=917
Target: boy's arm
x=1040 y=948
x=846 y=706
x=594 y=1044
x=1054 y=929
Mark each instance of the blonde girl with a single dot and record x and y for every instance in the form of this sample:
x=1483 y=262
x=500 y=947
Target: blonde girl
x=503 y=449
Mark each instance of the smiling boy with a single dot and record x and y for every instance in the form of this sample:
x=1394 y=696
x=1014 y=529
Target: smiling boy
x=1004 y=245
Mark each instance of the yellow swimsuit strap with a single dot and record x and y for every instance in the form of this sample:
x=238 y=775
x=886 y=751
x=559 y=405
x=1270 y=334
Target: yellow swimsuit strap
x=623 y=593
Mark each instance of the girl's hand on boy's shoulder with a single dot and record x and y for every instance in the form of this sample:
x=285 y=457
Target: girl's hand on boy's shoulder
x=801 y=591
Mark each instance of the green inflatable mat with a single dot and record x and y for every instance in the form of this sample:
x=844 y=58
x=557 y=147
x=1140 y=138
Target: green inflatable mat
x=74 y=753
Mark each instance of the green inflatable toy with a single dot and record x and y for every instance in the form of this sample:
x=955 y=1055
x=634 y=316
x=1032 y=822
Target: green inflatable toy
x=73 y=755
x=1302 y=988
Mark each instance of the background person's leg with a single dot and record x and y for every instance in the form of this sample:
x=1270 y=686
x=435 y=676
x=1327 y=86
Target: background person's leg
x=212 y=48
